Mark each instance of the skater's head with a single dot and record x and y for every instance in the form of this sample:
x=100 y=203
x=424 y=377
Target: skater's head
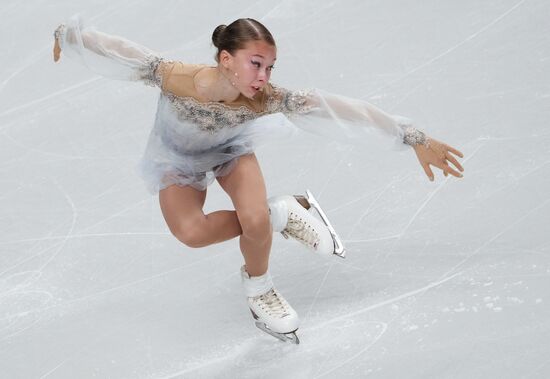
x=246 y=52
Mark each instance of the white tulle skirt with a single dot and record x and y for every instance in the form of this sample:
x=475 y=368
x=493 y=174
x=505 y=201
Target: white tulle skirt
x=185 y=157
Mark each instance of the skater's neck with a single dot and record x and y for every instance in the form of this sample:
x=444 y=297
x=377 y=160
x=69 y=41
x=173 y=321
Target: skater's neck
x=213 y=84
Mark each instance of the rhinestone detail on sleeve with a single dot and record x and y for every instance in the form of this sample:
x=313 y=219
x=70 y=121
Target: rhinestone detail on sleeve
x=148 y=72
x=289 y=102
x=413 y=136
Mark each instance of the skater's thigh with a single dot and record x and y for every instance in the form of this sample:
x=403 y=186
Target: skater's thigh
x=182 y=207
x=246 y=187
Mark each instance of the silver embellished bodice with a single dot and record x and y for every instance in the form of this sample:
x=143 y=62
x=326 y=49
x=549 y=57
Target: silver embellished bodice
x=212 y=116
x=209 y=117
x=188 y=126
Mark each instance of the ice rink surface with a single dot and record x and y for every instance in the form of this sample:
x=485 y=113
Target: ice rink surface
x=443 y=279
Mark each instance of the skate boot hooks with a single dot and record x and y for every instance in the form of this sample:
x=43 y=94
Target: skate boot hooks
x=269 y=308
x=291 y=217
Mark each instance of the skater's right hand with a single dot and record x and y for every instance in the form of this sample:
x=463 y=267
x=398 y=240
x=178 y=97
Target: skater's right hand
x=56 y=50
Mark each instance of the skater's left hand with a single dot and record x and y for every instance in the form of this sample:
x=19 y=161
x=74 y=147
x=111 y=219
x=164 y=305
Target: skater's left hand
x=437 y=153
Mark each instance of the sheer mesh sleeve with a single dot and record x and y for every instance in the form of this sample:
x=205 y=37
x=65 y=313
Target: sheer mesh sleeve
x=342 y=118
x=109 y=55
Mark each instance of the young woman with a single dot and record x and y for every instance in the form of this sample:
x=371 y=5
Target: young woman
x=208 y=123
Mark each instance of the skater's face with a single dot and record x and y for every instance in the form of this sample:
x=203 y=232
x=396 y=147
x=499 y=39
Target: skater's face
x=253 y=66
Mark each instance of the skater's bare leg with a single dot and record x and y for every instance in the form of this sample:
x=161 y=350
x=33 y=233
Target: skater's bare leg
x=182 y=210
x=246 y=188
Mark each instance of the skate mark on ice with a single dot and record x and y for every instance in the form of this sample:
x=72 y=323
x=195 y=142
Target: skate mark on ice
x=33 y=59
x=135 y=282
x=537 y=370
x=368 y=346
x=382 y=192
x=409 y=93
x=85 y=235
x=309 y=21
x=52 y=95
x=83 y=230
x=449 y=50
x=24 y=260
x=212 y=285
x=54 y=369
x=385 y=325
x=318 y=291
x=17 y=332
x=432 y=194
x=355 y=200
x=515 y=180
x=31 y=149
x=384 y=303
x=20 y=305
x=71 y=229
x=486 y=95
x=19 y=280
x=396 y=236
x=352 y=229
x=424 y=204
x=496 y=236
x=334 y=172
x=46 y=50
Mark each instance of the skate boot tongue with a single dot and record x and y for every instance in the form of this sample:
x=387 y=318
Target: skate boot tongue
x=299 y=229
x=274 y=304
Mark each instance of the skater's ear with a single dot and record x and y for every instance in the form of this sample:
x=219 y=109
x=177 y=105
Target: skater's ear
x=226 y=59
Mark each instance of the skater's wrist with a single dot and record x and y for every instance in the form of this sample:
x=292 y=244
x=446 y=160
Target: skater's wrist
x=59 y=32
x=414 y=137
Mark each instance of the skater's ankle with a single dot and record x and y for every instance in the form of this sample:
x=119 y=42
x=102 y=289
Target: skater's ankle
x=255 y=271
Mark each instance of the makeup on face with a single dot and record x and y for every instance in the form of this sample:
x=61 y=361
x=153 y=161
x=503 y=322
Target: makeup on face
x=254 y=70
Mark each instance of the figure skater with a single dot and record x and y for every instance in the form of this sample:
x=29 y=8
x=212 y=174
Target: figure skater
x=209 y=121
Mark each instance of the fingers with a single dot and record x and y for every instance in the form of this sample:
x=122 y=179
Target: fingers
x=428 y=171
x=446 y=168
x=454 y=161
x=455 y=151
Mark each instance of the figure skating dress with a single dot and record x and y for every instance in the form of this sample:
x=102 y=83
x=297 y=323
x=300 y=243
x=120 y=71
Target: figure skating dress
x=194 y=141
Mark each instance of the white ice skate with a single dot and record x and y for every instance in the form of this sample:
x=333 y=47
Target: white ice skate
x=291 y=217
x=269 y=308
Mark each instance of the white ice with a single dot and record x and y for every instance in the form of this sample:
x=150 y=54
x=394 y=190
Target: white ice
x=443 y=279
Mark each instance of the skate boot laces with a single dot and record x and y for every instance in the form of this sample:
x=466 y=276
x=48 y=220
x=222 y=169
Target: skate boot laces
x=273 y=303
x=300 y=230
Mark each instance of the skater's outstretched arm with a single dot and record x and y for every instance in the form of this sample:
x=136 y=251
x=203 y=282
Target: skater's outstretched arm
x=109 y=55
x=429 y=151
x=355 y=118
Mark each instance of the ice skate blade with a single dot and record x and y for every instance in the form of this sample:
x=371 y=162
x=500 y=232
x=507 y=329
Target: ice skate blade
x=309 y=201
x=285 y=337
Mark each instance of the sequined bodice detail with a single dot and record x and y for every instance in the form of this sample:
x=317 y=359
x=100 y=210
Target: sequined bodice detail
x=213 y=116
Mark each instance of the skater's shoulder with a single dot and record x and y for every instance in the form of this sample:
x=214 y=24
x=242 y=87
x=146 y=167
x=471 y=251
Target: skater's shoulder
x=179 y=79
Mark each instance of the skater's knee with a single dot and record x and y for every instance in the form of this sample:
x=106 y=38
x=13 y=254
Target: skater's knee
x=255 y=224
x=190 y=234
